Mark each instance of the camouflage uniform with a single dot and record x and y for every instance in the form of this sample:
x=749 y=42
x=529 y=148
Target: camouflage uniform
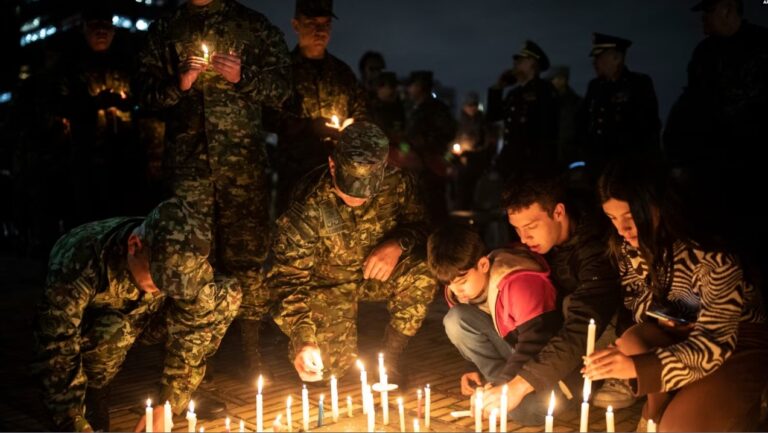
x=92 y=312
x=321 y=245
x=321 y=89
x=215 y=155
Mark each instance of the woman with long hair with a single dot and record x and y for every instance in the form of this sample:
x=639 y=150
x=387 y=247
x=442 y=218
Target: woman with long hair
x=699 y=347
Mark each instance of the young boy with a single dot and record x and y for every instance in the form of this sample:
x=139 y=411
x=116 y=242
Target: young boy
x=503 y=305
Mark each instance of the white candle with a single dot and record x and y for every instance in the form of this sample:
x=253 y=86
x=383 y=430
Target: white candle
x=504 y=408
x=305 y=408
x=334 y=399
x=276 y=424
x=191 y=418
x=202 y=429
x=149 y=417
x=363 y=383
x=384 y=398
x=549 y=422
x=591 y=331
x=242 y=426
x=401 y=413
x=259 y=405
x=651 y=426
x=381 y=367
x=584 y=425
x=227 y=425
x=167 y=417
x=288 y=414
x=609 y=423
x=371 y=409
x=427 y=400
x=205 y=53
x=349 y=406
x=492 y=420
x=479 y=410
x=415 y=425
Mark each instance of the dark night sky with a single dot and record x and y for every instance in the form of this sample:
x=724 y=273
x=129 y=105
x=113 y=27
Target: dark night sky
x=469 y=43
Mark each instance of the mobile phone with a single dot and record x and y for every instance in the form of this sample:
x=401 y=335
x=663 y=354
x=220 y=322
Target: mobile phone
x=662 y=314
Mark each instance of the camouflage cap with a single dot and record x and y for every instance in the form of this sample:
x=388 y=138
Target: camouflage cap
x=179 y=244
x=315 y=8
x=360 y=159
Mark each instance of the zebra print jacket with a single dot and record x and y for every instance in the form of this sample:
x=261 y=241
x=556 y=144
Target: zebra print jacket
x=707 y=286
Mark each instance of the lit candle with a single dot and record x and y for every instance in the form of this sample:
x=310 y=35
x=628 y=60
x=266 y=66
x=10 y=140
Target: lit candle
x=384 y=398
x=276 y=424
x=288 y=415
x=363 y=383
x=305 y=408
x=549 y=423
x=418 y=404
x=349 y=406
x=167 y=417
x=427 y=400
x=334 y=399
x=205 y=53
x=415 y=425
x=149 y=417
x=504 y=408
x=401 y=413
x=591 y=331
x=584 y=425
x=492 y=420
x=456 y=149
x=320 y=411
x=478 y=409
x=259 y=405
x=651 y=426
x=381 y=367
x=371 y=409
x=242 y=426
x=227 y=425
x=202 y=429
x=191 y=418
x=609 y=423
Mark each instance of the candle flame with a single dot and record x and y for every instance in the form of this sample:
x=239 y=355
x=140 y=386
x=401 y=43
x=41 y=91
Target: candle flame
x=123 y=95
x=202 y=429
x=289 y=400
x=360 y=365
x=191 y=406
x=322 y=397
x=149 y=402
x=260 y=384
x=610 y=409
x=591 y=321
x=505 y=389
x=205 y=51
x=457 y=148
x=399 y=401
x=304 y=388
x=227 y=422
x=418 y=392
x=551 y=409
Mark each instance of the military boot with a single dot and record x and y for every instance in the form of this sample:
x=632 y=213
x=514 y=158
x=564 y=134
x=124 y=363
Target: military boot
x=253 y=366
x=394 y=345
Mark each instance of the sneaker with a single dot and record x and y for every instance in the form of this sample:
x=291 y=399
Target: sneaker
x=616 y=393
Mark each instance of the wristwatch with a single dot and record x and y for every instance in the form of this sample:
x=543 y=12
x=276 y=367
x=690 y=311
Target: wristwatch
x=405 y=243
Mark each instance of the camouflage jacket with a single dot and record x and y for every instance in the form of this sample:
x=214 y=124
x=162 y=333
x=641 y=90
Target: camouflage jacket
x=215 y=120
x=321 y=242
x=89 y=292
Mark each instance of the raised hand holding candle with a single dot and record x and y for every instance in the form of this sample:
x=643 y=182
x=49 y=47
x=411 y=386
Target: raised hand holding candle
x=320 y=411
x=259 y=405
x=349 y=406
x=288 y=414
x=478 y=409
x=584 y=424
x=492 y=420
x=191 y=418
x=149 y=416
x=610 y=426
x=334 y=399
x=167 y=417
x=651 y=426
x=549 y=422
x=401 y=413
x=305 y=408
x=504 y=408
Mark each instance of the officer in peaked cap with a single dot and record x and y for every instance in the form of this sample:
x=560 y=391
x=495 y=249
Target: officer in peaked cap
x=533 y=51
x=602 y=42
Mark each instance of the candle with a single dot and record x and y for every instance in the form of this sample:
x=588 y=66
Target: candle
x=288 y=415
x=381 y=367
x=384 y=398
x=591 y=331
x=651 y=426
x=205 y=53
x=584 y=425
x=349 y=406
x=202 y=429
x=149 y=416
x=401 y=413
x=371 y=411
x=456 y=149
x=259 y=405
x=609 y=423
x=363 y=383
x=415 y=425
x=276 y=424
x=549 y=423
x=418 y=405
x=492 y=420
x=227 y=425
x=478 y=409
x=191 y=418
x=427 y=400
x=167 y=417
x=305 y=408
x=320 y=411
x=242 y=426
x=504 y=408
x=334 y=399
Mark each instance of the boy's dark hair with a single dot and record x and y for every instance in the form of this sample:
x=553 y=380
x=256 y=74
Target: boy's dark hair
x=452 y=250
x=524 y=190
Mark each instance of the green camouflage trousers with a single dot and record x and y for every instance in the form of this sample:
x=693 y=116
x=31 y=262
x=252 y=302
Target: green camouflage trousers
x=408 y=293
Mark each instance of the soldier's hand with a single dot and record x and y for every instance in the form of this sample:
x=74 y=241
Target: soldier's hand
x=309 y=363
x=158 y=414
x=470 y=381
x=506 y=79
x=382 y=261
x=189 y=70
x=227 y=65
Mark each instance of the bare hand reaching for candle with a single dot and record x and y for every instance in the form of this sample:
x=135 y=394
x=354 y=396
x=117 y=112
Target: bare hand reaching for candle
x=470 y=381
x=382 y=261
x=227 y=65
x=609 y=363
x=158 y=415
x=309 y=363
x=189 y=70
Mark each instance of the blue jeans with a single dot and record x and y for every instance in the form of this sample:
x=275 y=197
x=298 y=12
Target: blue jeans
x=471 y=330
